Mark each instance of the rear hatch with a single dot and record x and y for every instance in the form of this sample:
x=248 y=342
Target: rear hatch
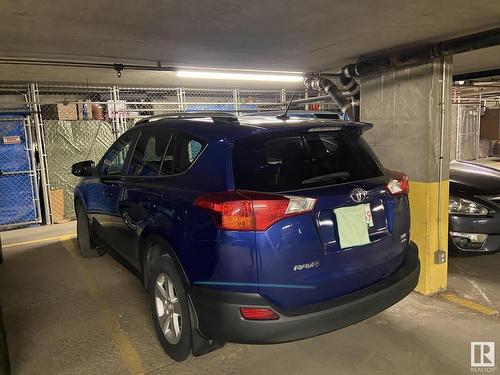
x=301 y=259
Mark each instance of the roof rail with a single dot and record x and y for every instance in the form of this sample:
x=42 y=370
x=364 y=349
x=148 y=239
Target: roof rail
x=220 y=117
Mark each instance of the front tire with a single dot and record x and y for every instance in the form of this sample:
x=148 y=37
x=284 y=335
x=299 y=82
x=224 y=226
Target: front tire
x=84 y=235
x=169 y=305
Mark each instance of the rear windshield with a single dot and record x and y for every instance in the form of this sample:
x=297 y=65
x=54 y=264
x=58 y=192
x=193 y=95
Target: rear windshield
x=302 y=161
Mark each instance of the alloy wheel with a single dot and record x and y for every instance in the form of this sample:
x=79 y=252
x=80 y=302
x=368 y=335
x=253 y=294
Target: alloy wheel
x=168 y=308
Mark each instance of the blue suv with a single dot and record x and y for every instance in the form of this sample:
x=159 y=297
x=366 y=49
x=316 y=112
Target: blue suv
x=257 y=229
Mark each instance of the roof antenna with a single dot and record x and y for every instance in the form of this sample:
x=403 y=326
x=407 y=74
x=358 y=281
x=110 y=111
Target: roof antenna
x=284 y=115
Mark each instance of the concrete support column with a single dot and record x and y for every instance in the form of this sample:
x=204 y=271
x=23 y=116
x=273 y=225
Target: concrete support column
x=410 y=110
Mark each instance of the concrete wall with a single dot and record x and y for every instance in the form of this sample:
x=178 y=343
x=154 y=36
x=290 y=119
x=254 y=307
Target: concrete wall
x=405 y=107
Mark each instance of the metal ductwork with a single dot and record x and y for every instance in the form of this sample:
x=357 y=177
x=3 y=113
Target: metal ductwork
x=351 y=88
x=383 y=61
x=321 y=83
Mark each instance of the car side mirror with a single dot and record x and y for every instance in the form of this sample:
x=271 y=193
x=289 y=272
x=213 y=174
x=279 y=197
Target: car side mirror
x=83 y=168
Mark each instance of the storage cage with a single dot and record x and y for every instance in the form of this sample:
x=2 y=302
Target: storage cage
x=52 y=127
x=19 y=193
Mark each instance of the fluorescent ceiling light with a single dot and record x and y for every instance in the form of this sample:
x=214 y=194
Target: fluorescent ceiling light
x=239 y=76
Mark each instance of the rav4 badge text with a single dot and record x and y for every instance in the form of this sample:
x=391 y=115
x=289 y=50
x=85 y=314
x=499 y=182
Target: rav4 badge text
x=306 y=266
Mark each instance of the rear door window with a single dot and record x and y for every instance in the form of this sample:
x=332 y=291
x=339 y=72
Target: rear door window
x=301 y=161
x=149 y=152
x=181 y=153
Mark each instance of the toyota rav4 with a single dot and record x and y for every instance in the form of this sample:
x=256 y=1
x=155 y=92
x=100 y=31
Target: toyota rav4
x=257 y=229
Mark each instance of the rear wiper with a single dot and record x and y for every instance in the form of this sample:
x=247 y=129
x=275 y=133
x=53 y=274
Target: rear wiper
x=328 y=176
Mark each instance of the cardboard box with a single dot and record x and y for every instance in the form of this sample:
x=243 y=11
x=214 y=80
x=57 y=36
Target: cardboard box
x=57 y=205
x=67 y=111
x=60 y=111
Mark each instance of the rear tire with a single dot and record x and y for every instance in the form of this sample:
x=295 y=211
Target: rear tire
x=170 y=310
x=85 y=236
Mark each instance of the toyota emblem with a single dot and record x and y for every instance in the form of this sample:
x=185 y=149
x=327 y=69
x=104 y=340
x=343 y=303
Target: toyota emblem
x=358 y=195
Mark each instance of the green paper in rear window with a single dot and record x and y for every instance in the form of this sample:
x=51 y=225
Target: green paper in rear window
x=290 y=162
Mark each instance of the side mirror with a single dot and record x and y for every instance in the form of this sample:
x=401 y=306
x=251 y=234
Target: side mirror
x=83 y=168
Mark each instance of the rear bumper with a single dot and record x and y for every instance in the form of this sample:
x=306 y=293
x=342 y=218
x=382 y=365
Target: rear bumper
x=219 y=316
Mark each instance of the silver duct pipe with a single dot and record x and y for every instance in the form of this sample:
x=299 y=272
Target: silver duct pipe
x=321 y=83
x=349 y=84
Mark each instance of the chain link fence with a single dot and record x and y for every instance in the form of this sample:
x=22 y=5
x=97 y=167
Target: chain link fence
x=142 y=102
x=19 y=195
x=78 y=123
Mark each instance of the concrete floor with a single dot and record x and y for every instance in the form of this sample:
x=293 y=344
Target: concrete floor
x=477 y=278
x=69 y=315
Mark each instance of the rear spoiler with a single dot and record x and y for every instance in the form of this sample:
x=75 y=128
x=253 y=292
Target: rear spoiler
x=362 y=126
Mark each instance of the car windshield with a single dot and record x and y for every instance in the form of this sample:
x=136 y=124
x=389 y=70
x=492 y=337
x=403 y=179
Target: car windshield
x=299 y=161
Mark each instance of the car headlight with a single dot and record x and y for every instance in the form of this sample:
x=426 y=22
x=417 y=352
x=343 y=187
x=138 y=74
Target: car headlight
x=460 y=206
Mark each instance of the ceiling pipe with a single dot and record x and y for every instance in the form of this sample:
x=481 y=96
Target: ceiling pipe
x=476 y=75
x=415 y=55
x=314 y=99
x=396 y=58
x=81 y=64
x=464 y=93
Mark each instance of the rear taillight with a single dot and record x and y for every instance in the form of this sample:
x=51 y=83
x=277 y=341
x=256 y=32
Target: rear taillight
x=249 y=210
x=254 y=313
x=397 y=183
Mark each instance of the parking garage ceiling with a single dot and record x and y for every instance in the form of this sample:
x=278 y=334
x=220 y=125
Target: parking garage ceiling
x=304 y=36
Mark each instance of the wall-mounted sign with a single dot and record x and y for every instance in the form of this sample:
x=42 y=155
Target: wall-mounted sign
x=12 y=140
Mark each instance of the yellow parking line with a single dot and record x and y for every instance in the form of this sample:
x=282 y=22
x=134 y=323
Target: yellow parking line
x=469 y=304
x=127 y=351
x=57 y=238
